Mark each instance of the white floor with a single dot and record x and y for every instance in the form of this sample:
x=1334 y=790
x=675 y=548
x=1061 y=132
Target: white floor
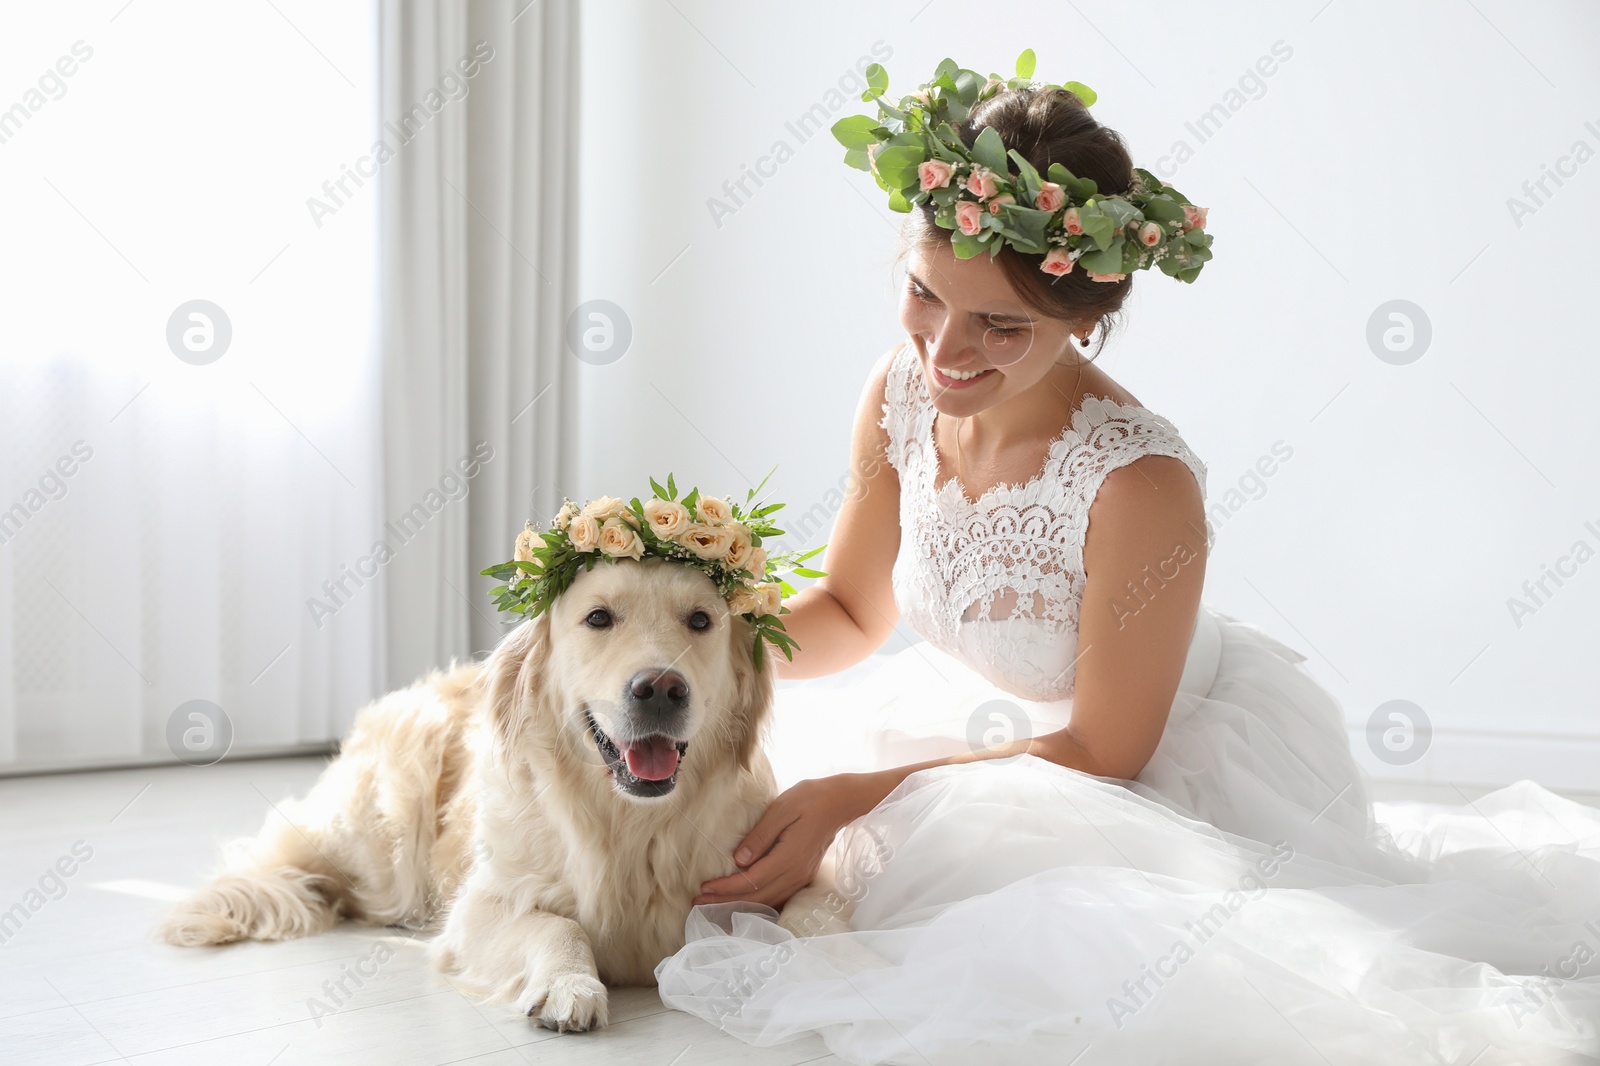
x=83 y=982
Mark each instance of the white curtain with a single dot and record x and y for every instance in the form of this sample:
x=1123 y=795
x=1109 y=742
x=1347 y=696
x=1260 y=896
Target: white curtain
x=376 y=200
x=166 y=518
x=479 y=206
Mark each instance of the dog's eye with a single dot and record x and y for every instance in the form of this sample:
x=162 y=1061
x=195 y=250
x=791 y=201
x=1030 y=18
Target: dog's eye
x=599 y=618
x=699 y=620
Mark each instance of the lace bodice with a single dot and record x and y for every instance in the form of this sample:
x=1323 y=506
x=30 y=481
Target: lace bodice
x=998 y=581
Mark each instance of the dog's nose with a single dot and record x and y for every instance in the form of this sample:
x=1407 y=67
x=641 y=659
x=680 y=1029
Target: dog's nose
x=666 y=688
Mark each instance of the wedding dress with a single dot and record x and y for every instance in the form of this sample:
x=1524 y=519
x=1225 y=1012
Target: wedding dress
x=1238 y=902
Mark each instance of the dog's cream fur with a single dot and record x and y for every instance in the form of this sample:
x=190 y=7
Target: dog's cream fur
x=478 y=798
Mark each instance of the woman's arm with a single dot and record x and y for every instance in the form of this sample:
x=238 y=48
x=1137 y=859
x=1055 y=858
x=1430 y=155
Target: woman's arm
x=842 y=618
x=1144 y=562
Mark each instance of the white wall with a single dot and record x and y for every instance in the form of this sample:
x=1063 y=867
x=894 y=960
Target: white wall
x=1374 y=164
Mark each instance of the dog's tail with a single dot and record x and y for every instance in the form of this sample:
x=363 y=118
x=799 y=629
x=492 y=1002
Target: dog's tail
x=276 y=904
x=275 y=886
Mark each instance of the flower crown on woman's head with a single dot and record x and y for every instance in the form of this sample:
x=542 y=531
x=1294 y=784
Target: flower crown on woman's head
x=709 y=533
x=915 y=153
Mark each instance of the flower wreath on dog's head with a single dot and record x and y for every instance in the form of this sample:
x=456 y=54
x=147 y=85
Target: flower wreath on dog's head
x=709 y=533
x=990 y=197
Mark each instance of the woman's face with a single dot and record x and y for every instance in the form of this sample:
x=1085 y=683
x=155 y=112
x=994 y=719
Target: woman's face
x=965 y=318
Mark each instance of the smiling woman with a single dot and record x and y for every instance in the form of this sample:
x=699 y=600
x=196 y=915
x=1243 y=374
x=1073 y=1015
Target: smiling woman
x=1085 y=778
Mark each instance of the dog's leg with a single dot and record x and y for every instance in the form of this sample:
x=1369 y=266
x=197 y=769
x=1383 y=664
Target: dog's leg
x=818 y=908
x=538 y=961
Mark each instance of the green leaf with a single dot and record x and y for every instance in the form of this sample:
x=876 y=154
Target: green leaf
x=1163 y=209
x=1152 y=184
x=877 y=81
x=1097 y=226
x=898 y=202
x=964 y=246
x=1025 y=226
x=1131 y=253
x=1120 y=211
x=763 y=484
x=1082 y=92
x=1027 y=172
x=660 y=492
x=858 y=158
x=855 y=131
x=898 y=165
x=1025 y=63
x=989 y=150
x=690 y=500
x=803 y=571
x=672 y=488
x=814 y=551
x=1105 y=260
x=969 y=83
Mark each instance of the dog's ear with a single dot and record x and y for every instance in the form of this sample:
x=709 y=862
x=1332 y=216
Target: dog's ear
x=753 y=695
x=513 y=675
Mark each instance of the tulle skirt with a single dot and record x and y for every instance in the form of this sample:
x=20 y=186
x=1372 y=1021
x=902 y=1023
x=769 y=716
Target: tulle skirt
x=1238 y=903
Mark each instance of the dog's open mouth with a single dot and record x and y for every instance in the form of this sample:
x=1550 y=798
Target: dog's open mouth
x=644 y=767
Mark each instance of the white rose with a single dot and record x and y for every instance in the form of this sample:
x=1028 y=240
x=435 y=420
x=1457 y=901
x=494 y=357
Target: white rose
x=668 y=518
x=618 y=539
x=605 y=507
x=708 y=542
x=743 y=600
x=757 y=563
x=771 y=597
x=564 y=515
x=528 y=541
x=713 y=511
x=739 y=551
x=584 y=532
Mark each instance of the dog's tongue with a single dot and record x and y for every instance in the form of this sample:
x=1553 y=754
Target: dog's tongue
x=652 y=759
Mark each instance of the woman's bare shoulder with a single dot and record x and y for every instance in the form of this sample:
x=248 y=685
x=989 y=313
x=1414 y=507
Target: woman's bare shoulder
x=1097 y=383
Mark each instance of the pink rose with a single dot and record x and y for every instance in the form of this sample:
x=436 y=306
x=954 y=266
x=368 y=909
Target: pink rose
x=1057 y=262
x=1149 y=234
x=969 y=217
x=934 y=174
x=1050 y=197
x=981 y=183
x=1105 y=277
x=1194 y=217
x=1071 y=223
x=994 y=205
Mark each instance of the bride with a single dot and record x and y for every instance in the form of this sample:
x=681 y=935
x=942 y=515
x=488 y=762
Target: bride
x=1090 y=819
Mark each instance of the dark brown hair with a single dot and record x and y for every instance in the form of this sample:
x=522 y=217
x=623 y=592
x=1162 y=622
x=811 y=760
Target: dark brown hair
x=1049 y=125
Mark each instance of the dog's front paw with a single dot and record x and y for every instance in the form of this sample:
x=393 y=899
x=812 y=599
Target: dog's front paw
x=567 y=1003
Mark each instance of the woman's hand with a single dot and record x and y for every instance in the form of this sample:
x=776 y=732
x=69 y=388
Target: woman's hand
x=780 y=855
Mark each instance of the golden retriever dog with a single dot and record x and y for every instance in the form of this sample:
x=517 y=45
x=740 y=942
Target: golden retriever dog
x=555 y=807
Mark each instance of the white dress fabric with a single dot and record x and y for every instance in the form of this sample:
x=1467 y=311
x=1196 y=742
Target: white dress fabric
x=1238 y=902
